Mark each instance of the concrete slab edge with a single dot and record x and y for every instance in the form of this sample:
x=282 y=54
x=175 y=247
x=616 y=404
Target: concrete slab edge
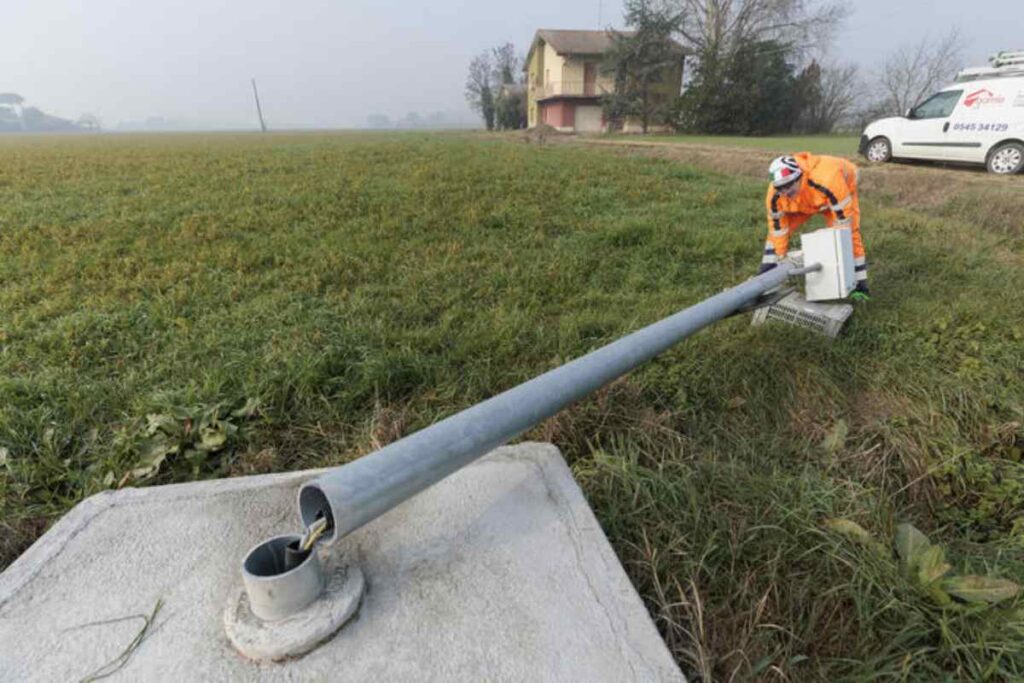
x=30 y=562
x=598 y=558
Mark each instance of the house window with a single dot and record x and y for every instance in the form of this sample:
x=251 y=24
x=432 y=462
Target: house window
x=589 y=79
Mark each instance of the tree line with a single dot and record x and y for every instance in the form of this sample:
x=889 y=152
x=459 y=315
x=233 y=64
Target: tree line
x=753 y=67
x=16 y=117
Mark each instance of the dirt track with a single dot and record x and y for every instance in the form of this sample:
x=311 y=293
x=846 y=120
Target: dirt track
x=917 y=184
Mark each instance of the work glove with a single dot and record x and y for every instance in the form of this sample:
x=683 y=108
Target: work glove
x=861 y=293
x=765 y=267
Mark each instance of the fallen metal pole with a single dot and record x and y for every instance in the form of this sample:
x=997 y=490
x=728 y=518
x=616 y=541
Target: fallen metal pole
x=356 y=493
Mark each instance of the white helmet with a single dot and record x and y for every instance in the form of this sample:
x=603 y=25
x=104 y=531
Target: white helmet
x=784 y=170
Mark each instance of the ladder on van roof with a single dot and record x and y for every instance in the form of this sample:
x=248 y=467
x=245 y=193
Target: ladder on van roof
x=1007 y=58
x=1007 y=63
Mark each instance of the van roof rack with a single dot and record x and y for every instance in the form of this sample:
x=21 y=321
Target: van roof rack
x=1004 y=64
x=1007 y=58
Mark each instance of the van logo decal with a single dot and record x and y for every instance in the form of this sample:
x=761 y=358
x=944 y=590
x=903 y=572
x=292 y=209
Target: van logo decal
x=980 y=98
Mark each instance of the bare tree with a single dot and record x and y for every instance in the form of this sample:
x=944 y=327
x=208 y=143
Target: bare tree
x=725 y=35
x=480 y=88
x=915 y=71
x=834 y=98
x=510 y=91
x=88 y=122
x=718 y=28
x=507 y=64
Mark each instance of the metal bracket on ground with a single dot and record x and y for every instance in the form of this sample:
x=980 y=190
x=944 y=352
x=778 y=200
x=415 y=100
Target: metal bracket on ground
x=823 y=318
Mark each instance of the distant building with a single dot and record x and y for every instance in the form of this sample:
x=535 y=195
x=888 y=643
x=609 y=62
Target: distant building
x=512 y=89
x=566 y=80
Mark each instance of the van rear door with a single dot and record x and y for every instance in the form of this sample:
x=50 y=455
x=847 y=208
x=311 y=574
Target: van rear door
x=927 y=131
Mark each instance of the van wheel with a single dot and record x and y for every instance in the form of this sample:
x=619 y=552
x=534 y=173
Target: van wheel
x=879 y=151
x=1006 y=159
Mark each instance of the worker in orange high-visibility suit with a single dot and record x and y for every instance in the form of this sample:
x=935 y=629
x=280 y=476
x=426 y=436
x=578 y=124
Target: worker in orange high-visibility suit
x=803 y=185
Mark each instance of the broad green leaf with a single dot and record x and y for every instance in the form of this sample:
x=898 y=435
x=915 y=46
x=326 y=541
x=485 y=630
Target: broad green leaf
x=761 y=665
x=849 y=528
x=836 y=437
x=156 y=422
x=155 y=451
x=910 y=544
x=210 y=415
x=149 y=468
x=248 y=410
x=186 y=412
x=940 y=596
x=858 y=533
x=981 y=588
x=212 y=438
x=932 y=565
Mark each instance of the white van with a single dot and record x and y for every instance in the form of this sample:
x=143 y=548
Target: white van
x=979 y=119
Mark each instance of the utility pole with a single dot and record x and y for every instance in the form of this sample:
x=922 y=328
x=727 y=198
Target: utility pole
x=263 y=126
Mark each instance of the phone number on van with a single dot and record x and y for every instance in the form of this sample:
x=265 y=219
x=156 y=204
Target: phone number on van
x=984 y=127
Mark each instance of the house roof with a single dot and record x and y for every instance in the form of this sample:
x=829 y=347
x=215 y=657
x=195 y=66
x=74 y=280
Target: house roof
x=580 y=42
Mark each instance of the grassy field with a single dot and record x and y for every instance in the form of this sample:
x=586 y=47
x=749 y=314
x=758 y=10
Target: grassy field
x=840 y=145
x=174 y=307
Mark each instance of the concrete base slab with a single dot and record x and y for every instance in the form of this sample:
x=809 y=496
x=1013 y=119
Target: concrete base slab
x=499 y=572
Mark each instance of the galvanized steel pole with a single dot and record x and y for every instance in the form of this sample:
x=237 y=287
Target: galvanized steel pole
x=354 y=494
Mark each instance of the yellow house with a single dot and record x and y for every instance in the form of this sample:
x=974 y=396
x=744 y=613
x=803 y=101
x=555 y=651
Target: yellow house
x=565 y=81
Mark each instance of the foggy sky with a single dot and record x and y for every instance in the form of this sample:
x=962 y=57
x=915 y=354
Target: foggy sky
x=330 y=63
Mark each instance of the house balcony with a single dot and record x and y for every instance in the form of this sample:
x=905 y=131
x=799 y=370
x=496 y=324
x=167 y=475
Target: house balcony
x=570 y=89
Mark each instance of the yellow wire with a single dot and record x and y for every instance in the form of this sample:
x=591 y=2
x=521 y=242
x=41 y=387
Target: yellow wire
x=315 y=531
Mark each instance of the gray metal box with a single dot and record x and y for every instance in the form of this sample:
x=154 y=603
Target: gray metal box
x=833 y=249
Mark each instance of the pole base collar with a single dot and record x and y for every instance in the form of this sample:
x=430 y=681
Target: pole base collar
x=303 y=631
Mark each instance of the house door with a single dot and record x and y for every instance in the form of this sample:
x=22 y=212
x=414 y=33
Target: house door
x=588 y=119
x=589 y=79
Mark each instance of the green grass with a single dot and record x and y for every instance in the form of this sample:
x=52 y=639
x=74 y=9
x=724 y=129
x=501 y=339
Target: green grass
x=841 y=145
x=361 y=287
